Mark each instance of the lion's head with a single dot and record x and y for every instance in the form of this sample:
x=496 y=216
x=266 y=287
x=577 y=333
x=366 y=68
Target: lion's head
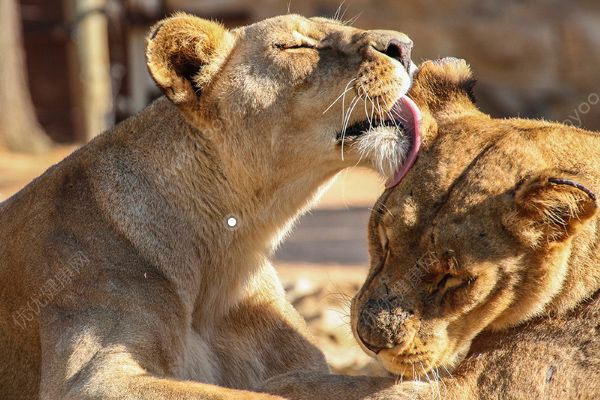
x=494 y=225
x=290 y=91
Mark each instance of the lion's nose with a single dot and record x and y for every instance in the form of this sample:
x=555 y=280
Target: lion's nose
x=394 y=45
x=400 y=51
x=381 y=324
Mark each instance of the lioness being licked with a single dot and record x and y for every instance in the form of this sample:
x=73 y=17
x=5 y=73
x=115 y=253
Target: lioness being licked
x=485 y=260
x=120 y=277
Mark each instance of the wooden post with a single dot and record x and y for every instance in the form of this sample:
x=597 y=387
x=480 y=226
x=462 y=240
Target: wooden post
x=19 y=127
x=138 y=73
x=92 y=53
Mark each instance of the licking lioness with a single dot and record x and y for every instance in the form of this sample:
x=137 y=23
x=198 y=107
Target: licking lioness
x=138 y=268
x=485 y=261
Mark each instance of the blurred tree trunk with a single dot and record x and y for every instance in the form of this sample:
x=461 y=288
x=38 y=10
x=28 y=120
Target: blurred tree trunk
x=19 y=127
x=93 y=64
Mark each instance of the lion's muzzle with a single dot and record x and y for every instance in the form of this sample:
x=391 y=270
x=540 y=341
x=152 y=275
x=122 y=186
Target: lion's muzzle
x=382 y=324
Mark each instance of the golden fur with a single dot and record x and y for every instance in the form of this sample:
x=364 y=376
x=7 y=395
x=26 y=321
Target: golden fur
x=119 y=276
x=485 y=261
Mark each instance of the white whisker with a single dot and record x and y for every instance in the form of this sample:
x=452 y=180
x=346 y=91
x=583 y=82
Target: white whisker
x=353 y=20
x=398 y=115
x=369 y=116
x=372 y=108
x=347 y=113
x=379 y=110
x=336 y=16
x=439 y=377
x=447 y=371
x=341 y=17
x=428 y=379
x=346 y=90
x=351 y=109
x=393 y=120
x=387 y=209
x=344 y=103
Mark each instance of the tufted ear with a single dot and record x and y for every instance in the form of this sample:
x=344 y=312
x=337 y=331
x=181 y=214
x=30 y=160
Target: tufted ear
x=447 y=79
x=184 y=52
x=550 y=208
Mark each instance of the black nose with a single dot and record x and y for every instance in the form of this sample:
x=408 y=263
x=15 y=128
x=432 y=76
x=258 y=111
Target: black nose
x=381 y=324
x=400 y=51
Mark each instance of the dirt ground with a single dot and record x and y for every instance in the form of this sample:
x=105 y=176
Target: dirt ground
x=17 y=169
x=322 y=263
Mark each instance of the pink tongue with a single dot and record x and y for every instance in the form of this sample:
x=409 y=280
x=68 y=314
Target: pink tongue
x=410 y=116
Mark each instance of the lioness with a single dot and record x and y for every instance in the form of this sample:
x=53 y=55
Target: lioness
x=485 y=261
x=138 y=268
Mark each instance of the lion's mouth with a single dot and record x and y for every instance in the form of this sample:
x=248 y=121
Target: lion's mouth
x=411 y=366
x=405 y=117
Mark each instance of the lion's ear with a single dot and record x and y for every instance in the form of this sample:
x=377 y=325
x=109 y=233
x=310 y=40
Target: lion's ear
x=448 y=77
x=184 y=52
x=550 y=208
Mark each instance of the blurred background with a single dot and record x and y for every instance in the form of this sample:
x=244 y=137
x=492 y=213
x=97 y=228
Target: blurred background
x=70 y=69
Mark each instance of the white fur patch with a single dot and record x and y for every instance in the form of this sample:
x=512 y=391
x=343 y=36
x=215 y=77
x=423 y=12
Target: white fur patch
x=386 y=147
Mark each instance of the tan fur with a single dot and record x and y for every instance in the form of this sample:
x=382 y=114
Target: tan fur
x=485 y=262
x=120 y=278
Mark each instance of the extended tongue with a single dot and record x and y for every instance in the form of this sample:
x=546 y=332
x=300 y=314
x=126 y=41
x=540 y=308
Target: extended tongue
x=410 y=114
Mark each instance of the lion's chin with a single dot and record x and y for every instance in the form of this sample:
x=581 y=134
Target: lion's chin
x=389 y=146
x=409 y=368
x=416 y=367
x=383 y=148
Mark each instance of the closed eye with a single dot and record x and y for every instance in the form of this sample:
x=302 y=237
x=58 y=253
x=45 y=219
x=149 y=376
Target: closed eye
x=442 y=283
x=298 y=41
x=450 y=282
x=451 y=290
x=283 y=46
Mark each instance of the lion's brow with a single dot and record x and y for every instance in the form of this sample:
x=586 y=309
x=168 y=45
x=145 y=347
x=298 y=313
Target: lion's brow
x=327 y=20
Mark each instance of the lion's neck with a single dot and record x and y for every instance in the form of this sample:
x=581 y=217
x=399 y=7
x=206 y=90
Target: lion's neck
x=272 y=213
x=243 y=268
x=213 y=194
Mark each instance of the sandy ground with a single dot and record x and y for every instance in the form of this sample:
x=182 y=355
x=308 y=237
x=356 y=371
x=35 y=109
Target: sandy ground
x=322 y=263
x=16 y=169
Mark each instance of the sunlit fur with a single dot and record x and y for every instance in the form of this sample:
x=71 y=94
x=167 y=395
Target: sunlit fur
x=484 y=261
x=290 y=82
x=384 y=148
x=169 y=302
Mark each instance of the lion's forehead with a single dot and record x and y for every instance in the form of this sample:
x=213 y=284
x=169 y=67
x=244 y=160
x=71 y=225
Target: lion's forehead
x=288 y=24
x=443 y=189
